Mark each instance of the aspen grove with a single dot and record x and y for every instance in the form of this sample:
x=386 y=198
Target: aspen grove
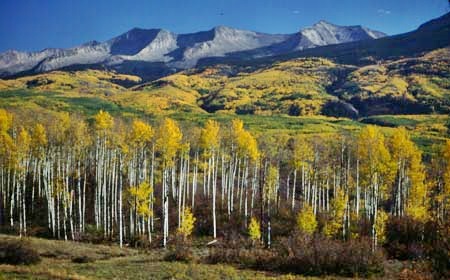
x=131 y=179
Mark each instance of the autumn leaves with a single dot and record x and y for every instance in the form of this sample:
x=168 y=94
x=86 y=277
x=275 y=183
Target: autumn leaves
x=131 y=180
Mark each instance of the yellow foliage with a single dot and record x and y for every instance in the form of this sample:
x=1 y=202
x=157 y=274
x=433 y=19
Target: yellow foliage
x=306 y=220
x=39 y=136
x=23 y=142
x=254 y=230
x=80 y=134
x=375 y=159
x=446 y=175
x=237 y=126
x=187 y=223
x=141 y=133
x=5 y=120
x=141 y=199
x=74 y=83
x=380 y=226
x=7 y=147
x=209 y=136
x=247 y=145
x=103 y=120
x=168 y=141
x=270 y=183
x=338 y=205
x=6 y=142
x=408 y=156
x=302 y=153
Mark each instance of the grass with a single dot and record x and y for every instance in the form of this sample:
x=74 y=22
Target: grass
x=426 y=129
x=56 y=101
x=112 y=262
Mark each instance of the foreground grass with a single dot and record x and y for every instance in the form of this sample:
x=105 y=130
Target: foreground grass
x=112 y=262
x=136 y=267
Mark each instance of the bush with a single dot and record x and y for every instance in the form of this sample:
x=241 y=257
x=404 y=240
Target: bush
x=82 y=259
x=404 y=238
x=437 y=242
x=235 y=240
x=39 y=231
x=93 y=235
x=18 y=252
x=181 y=251
x=303 y=254
x=319 y=255
x=140 y=241
x=256 y=258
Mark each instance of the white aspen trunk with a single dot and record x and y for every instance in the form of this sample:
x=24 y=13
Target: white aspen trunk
x=84 y=203
x=11 y=209
x=180 y=190
x=287 y=186
x=194 y=181
x=358 y=195
x=294 y=188
x=152 y=195
x=214 y=197
x=120 y=205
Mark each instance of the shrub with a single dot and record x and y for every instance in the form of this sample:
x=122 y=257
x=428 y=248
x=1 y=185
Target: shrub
x=254 y=230
x=187 y=223
x=235 y=240
x=82 y=259
x=308 y=255
x=39 y=231
x=404 y=237
x=181 y=251
x=318 y=256
x=18 y=252
x=437 y=242
x=223 y=255
x=306 y=220
x=140 y=241
x=93 y=235
x=258 y=258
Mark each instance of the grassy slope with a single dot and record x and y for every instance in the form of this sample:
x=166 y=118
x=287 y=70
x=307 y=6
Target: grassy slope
x=111 y=262
x=263 y=98
x=421 y=83
x=295 y=87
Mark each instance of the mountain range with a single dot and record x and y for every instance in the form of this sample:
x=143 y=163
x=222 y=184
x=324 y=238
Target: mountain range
x=324 y=70
x=153 y=53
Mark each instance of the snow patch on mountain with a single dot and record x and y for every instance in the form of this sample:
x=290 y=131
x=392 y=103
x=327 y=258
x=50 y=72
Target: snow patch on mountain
x=181 y=51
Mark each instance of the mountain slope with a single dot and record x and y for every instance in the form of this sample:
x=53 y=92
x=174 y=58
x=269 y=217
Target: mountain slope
x=298 y=87
x=429 y=36
x=147 y=52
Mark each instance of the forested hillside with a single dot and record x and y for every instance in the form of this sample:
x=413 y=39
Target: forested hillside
x=299 y=87
x=128 y=181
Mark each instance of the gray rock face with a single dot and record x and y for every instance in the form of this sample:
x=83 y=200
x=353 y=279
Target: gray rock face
x=179 y=51
x=324 y=33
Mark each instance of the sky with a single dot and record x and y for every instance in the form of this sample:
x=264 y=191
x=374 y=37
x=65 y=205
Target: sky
x=32 y=25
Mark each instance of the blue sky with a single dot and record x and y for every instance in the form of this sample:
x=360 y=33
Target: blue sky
x=31 y=25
